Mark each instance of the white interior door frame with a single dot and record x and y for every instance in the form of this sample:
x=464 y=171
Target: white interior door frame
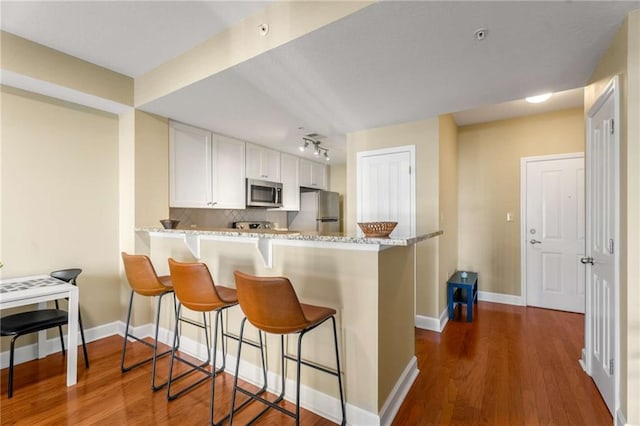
x=524 y=161
x=612 y=90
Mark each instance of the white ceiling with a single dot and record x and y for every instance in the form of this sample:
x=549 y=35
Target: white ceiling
x=389 y=63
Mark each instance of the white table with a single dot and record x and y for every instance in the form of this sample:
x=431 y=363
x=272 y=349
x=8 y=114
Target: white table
x=40 y=289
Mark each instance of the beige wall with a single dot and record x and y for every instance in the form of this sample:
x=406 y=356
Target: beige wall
x=338 y=183
x=151 y=169
x=424 y=135
x=60 y=196
x=36 y=61
x=489 y=187
x=448 y=200
x=622 y=58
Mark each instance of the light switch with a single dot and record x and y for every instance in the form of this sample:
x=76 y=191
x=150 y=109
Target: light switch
x=509 y=217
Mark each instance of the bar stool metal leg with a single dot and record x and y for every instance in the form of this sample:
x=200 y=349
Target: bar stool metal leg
x=154 y=346
x=262 y=390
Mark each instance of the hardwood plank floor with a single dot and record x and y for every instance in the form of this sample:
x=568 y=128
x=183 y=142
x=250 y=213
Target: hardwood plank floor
x=511 y=366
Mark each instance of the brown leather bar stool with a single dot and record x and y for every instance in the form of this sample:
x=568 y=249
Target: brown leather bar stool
x=272 y=306
x=195 y=290
x=144 y=281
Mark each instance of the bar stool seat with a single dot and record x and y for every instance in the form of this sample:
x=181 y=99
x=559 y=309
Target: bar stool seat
x=271 y=305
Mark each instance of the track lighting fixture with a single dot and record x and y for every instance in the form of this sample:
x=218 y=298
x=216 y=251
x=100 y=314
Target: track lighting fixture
x=317 y=149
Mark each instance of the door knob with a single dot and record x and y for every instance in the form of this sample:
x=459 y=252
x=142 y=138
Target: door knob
x=586 y=260
x=532 y=241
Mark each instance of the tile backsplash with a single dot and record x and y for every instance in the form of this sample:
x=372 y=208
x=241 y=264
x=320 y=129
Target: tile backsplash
x=219 y=218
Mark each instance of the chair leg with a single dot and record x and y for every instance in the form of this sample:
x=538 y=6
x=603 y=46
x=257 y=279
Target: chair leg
x=335 y=341
x=298 y=365
x=155 y=387
x=235 y=379
x=126 y=334
x=213 y=366
x=11 y=351
x=194 y=367
x=153 y=346
x=84 y=343
x=61 y=340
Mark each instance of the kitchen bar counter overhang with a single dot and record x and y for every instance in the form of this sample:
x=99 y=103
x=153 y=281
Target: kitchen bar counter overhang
x=370 y=283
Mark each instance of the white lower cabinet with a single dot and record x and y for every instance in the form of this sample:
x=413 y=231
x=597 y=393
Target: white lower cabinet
x=205 y=170
x=290 y=182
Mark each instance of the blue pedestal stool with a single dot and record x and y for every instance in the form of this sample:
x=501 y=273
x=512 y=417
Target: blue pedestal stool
x=462 y=290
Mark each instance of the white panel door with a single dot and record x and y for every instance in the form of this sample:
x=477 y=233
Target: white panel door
x=601 y=260
x=555 y=233
x=386 y=189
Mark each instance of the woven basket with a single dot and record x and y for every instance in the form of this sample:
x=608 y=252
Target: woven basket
x=377 y=229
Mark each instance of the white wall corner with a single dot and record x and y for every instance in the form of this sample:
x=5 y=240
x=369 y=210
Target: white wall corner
x=431 y=323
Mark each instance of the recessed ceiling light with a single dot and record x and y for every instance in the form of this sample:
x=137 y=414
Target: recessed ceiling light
x=538 y=98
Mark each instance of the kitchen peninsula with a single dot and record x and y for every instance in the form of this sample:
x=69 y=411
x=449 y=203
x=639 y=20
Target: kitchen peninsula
x=370 y=283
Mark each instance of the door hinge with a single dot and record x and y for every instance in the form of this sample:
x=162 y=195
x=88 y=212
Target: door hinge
x=611 y=367
x=409 y=169
x=612 y=126
x=610 y=245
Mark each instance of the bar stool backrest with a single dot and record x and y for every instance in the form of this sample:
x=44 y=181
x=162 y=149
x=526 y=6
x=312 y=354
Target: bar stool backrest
x=270 y=303
x=142 y=276
x=194 y=286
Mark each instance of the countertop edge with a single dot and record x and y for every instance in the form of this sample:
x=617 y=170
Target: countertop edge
x=297 y=236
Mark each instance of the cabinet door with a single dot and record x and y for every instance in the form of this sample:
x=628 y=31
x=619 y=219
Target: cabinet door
x=319 y=176
x=313 y=175
x=262 y=163
x=290 y=182
x=189 y=166
x=271 y=165
x=228 y=173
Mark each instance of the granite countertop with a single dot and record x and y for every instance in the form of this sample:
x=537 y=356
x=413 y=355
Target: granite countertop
x=296 y=235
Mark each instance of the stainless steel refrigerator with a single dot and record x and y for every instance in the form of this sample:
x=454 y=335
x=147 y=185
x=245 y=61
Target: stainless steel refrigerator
x=319 y=211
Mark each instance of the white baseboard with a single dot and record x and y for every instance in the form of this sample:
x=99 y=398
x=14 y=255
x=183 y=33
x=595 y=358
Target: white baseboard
x=619 y=419
x=432 y=324
x=506 y=299
x=399 y=392
x=30 y=352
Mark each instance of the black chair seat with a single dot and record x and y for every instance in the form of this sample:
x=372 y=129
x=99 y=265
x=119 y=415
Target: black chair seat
x=32 y=321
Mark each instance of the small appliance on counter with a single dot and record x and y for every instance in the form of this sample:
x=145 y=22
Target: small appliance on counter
x=319 y=211
x=258 y=224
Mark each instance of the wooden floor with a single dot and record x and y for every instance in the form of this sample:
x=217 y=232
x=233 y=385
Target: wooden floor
x=511 y=366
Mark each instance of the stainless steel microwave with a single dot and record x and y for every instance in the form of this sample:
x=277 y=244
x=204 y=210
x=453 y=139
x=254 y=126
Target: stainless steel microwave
x=262 y=193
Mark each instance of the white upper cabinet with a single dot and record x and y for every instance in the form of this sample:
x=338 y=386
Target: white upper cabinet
x=262 y=163
x=290 y=182
x=228 y=185
x=313 y=175
x=205 y=170
x=189 y=166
